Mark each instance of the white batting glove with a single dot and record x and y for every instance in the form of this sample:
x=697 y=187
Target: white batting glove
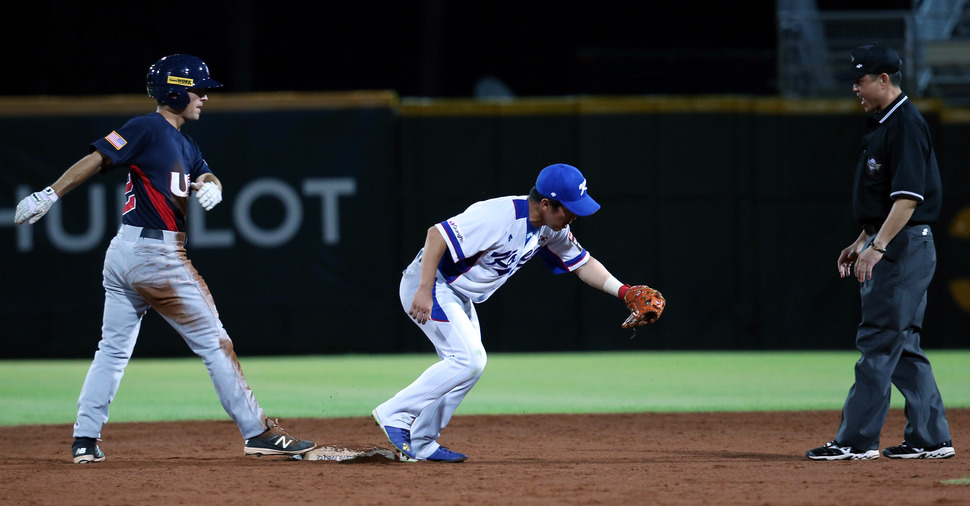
x=35 y=206
x=208 y=194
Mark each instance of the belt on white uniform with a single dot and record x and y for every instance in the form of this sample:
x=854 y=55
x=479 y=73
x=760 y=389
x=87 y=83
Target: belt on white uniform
x=131 y=232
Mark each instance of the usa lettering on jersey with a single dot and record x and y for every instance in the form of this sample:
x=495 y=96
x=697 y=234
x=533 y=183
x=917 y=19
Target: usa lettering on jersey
x=179 y=184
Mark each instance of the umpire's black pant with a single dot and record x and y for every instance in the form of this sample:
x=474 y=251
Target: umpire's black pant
x=893 y=305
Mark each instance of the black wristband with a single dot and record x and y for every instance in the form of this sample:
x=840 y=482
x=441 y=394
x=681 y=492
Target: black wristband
x=873 y=246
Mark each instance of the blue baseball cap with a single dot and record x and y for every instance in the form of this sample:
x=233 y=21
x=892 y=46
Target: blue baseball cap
x=566 y=184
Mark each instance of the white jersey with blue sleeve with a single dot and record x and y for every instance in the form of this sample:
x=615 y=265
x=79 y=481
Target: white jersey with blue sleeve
x=492 y=239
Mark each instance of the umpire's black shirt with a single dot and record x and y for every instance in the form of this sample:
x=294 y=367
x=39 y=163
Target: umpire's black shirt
x=897 y=161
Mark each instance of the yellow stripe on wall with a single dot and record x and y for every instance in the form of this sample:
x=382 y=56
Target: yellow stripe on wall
x=43 y=105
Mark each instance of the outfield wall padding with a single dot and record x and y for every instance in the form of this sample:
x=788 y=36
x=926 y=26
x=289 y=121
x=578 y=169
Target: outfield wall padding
x=735 y=208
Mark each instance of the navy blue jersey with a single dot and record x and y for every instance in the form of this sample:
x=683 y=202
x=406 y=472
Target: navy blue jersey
x=161 y=163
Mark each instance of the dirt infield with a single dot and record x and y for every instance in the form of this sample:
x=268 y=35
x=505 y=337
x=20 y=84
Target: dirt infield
x=706 y=458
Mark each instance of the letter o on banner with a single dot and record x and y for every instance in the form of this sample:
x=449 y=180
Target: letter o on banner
x=292 y=216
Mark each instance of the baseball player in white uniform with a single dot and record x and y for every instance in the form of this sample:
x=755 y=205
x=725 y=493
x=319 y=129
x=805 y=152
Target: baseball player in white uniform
x=465 y=259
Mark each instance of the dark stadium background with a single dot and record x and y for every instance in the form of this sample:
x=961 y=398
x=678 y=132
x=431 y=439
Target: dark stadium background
x=433 y=48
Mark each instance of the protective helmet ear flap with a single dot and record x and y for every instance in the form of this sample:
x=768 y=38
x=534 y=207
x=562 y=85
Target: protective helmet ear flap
x=176 y=100
x=170 y=78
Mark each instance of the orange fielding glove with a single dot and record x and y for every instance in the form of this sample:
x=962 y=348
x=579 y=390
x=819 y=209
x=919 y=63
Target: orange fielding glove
x=645 y=305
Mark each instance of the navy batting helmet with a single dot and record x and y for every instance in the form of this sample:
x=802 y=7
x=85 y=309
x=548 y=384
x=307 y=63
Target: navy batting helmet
x=171 y=77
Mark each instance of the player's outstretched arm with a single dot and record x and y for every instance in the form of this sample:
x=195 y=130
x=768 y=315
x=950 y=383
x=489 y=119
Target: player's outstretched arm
x=595 y=274
x=36 y=205
x=645 y=304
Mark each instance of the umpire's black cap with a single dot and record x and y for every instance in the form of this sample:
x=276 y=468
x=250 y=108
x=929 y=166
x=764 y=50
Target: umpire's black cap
x=872 y=58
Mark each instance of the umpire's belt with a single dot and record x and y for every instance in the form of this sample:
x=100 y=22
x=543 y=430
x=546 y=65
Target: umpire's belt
x=131 y=233
x=873 y=228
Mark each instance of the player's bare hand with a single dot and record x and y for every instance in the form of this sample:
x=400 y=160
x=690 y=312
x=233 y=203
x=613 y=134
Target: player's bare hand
x=208 y=194
x=35 y=206
x=421 y=306
x=865 y=263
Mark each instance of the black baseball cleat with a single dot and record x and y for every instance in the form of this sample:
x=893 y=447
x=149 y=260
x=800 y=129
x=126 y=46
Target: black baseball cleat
x=834 y=451
x=943 y=450
x=276 y=441
x=85 y=449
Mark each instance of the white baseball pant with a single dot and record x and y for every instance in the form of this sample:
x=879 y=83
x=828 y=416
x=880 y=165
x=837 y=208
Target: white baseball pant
x=426 y=405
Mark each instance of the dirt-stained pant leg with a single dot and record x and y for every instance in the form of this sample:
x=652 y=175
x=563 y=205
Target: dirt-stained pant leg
x=160 y=275
x=182 y=298
x=893 y=305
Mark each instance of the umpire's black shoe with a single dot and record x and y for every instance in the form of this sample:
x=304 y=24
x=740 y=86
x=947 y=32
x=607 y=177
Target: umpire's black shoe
x=943 y=450
x=85 y=449
x=834 y=451
x=276 y=441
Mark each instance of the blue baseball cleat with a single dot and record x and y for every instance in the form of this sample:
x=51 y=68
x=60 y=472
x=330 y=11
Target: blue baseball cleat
x=399 y=438
x=443 y=454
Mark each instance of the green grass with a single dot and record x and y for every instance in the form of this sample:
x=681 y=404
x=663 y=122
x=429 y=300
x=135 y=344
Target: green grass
x=45 y=391
x=958 y=481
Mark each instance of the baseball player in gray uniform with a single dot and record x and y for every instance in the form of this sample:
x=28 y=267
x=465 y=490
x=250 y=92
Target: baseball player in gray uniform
x=465 y=259
x=146 y=266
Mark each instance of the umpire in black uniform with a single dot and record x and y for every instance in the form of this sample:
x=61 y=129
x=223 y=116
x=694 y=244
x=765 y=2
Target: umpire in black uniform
x=896 y=196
